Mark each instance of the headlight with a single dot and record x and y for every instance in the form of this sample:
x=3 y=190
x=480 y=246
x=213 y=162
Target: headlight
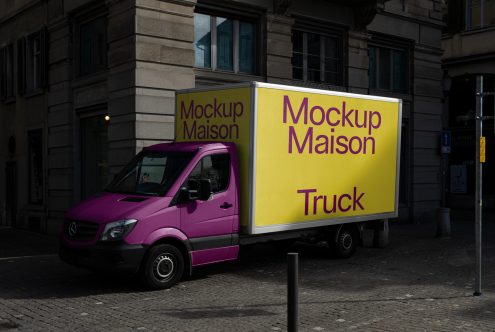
x=118 y=229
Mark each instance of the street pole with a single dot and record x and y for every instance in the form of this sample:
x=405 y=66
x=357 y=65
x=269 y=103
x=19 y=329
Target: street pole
x=479 y=184
x=292 y=292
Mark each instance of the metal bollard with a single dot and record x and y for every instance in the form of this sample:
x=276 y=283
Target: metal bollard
x=443 y=222
x=292 y=292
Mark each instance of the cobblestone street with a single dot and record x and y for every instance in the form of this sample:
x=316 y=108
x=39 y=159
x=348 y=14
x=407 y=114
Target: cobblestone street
x=419 y=283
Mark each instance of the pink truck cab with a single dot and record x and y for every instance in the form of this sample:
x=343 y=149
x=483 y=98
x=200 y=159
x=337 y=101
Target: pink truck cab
x=182 y=212
x=251 y=163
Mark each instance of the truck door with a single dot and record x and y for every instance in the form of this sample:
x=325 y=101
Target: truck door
x=209 y=224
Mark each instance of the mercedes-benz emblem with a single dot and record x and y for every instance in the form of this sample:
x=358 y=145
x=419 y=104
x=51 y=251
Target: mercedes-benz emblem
x=73 y=229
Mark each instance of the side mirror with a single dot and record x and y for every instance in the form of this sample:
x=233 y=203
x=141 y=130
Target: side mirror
x=205 y=190
x=184 y=195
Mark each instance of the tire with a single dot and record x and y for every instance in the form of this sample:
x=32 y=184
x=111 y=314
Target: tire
x=164 y=267
x=344 y=245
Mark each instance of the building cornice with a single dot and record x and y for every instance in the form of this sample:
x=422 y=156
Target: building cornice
x=467 y=33
x=410 y=18
x=468 y=58
x=14 y=14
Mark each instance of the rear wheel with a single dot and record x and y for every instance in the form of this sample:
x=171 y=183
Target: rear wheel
x=164 y=266
x=344 y=244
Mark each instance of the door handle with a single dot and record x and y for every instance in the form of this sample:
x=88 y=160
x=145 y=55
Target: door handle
x=226 y=205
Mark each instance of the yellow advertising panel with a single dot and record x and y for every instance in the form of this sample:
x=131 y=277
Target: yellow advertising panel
x=323 y=158
x=218 y=115
x=306 y=157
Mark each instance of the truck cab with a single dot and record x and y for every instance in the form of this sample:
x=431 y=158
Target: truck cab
x=174 y=206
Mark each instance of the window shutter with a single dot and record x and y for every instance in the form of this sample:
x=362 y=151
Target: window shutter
x=21 y=66
x=3 y=73
x=455 y=16
x=43 y=58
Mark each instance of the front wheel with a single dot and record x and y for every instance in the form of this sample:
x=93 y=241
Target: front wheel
x=163 y=267
x=344 y=245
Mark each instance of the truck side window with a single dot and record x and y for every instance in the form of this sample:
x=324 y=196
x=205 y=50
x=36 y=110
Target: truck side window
x=216 y=168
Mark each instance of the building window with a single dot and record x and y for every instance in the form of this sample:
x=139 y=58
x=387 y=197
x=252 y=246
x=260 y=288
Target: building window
x=479 y=14
x=35 y=165
x=32 y=62
x=93 y=46
x=33 y=79
x=215 y=168
x=388 y=69
x=317 y=57
x=222 y=43
x=7 y=72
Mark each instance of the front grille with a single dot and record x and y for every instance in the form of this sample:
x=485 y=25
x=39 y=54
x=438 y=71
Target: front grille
x=84 y=230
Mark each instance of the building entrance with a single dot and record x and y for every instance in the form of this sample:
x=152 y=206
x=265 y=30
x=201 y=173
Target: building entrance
x=95 y=173
x=11 y=193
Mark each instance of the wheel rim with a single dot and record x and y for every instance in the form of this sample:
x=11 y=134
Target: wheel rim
x=346 y=241
x=164 y=267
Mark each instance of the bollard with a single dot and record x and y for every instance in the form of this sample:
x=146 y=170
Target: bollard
x=292 y=292
x=381 y=239
x=443 y=222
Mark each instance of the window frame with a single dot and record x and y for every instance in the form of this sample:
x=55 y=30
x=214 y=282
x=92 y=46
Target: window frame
x=32 y=67
x=79 y=25
x=247 y=17
x=33 y=63
x=397 y=44
x=323 y=29
x=7 y=73
x=468 y=26
x=79 y=21
x=200 y=161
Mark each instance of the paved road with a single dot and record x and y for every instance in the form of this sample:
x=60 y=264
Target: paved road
x=419 y=283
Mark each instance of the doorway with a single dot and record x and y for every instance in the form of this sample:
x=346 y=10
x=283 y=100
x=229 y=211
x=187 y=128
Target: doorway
x=95 y=171
x=11 y=193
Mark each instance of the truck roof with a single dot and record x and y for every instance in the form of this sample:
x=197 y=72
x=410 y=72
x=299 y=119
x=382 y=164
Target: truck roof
x=188 y=146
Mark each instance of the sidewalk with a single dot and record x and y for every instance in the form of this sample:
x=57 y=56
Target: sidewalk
x=17 y=242
x=418 y=283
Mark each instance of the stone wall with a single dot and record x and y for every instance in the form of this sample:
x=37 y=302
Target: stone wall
x=420 y=22
x=61 y=161
x=22 y=113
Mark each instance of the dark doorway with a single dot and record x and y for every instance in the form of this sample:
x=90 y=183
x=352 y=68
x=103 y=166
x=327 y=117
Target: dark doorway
x=94 y=155
x=11 y=192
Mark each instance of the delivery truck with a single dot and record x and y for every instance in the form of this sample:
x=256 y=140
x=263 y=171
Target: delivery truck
x=250 y=163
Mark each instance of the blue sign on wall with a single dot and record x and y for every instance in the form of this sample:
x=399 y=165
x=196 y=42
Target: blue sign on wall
x=445 y=141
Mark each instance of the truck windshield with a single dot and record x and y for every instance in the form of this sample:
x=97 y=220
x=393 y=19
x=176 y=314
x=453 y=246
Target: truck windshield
x=150 y=173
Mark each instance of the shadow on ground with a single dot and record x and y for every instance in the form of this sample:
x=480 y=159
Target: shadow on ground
x=414 y=257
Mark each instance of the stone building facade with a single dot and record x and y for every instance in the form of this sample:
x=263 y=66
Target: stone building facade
x=87 y=84
x=469 y=51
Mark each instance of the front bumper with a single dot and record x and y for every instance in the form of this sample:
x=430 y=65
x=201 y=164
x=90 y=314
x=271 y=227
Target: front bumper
x=116 y=257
